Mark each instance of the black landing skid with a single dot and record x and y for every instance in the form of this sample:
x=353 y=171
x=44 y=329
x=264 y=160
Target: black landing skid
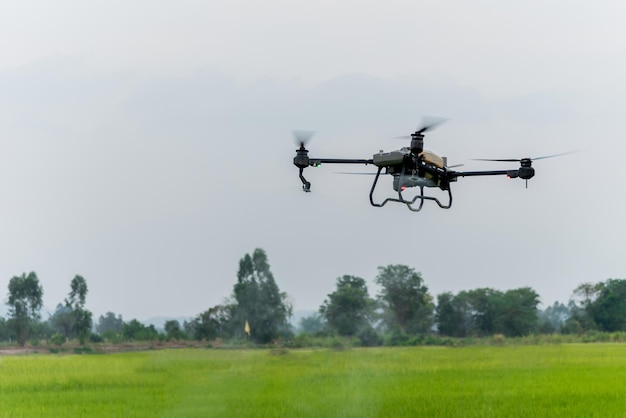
x=409 y=203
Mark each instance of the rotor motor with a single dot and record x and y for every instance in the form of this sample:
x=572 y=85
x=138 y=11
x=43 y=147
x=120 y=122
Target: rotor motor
x=526 y=171
x=301 y=160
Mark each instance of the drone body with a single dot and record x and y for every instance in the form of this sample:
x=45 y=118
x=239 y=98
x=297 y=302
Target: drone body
x=410 y=167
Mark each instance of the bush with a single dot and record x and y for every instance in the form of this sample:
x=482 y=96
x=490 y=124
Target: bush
x=337 y=343
x=299 y=341
x=396 y=337
x=112 y=337
x=596 y=337
x=618 y=337
x=368 y=337
x=58 y=339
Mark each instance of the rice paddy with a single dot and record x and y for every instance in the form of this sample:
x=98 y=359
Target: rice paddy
x=479 y=381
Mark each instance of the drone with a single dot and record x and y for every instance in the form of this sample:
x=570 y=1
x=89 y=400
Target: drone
x=412 y=166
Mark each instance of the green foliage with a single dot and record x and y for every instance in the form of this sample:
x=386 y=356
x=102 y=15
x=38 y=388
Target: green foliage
x=608 y=309
x=5 y=333
x=597 y=306
x=396 y=337
x=349 y=308
x=553 y=318
x=136 y=331
x=62 y=320
x=484 y=312
x=584 y=294
x=82 y=318
x=71 y=318
x=78 y=293
x=311 y=324
x=25 y=300
x=213 y=323
x=450 y=316
x=369 y=337
x=82 y=324
x=258 y=299
x=41 y=330
x=173 y=331
x=109 y=323
x=404 y=299
x=338 y=343
x=112 y=337
x=58 y=339
x=481 y=306
x=518 y=314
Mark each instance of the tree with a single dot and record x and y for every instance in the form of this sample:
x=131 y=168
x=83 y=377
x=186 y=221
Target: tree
x=449 y=316
x=482 y=309
x=213 y=323
x=78 y=292
x=554 y=317
x=258 y=299
x=486 y=311
x=136 y=331
x=82 y=318
x=109 y=324
x=25 y=300
x=405 y=299
x=82 y=324
x=311 y=324
x=62 y=320
x=585 y=294
x=518 y=314
x=173 y=330
x=348 y=309
x=608 y=308
x=5 y=333
x=581 y=318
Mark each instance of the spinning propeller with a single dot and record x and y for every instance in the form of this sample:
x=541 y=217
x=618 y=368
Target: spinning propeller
x=428 y=124
x=302 y=137
x=526 y=171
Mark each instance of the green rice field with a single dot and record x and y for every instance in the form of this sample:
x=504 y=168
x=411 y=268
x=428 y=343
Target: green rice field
x=570 y=380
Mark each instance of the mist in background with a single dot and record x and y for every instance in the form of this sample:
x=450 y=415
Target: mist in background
x=149 y=148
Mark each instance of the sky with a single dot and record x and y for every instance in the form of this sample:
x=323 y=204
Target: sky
x=148 y=146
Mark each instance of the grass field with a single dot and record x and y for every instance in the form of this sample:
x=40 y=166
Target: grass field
x=572 y=380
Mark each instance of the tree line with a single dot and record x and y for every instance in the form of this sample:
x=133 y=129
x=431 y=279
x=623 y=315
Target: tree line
x=257 y=311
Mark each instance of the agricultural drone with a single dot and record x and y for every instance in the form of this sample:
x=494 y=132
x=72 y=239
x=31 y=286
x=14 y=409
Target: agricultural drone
x=411 y=166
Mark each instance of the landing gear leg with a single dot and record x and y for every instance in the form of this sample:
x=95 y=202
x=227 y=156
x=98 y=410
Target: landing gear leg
x=306 y=186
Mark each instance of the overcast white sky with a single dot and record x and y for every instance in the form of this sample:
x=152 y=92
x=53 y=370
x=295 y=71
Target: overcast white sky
x=147 y=145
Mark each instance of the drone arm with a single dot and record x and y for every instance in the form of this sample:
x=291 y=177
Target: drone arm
x=314 y=162
x=302 y=161
x=455 y=174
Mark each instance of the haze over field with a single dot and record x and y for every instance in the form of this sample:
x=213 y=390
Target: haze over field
x=148 y=146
